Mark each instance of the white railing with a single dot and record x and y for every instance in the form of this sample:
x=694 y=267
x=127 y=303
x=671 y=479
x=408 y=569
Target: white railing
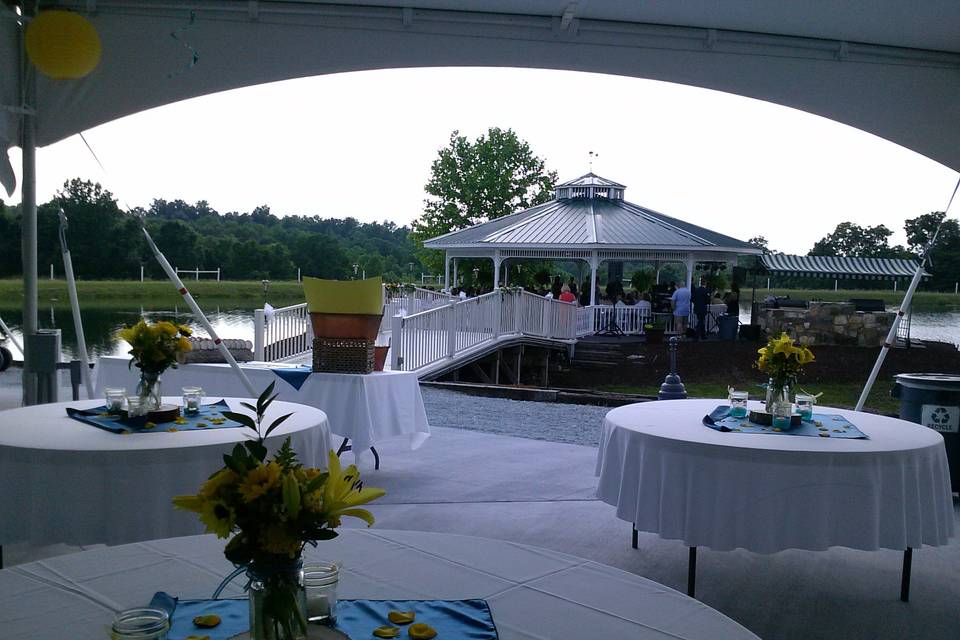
x=430 y=336
x=285 y=334
x=409 y=301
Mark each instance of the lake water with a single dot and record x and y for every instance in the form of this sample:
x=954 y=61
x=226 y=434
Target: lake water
x=100 y=326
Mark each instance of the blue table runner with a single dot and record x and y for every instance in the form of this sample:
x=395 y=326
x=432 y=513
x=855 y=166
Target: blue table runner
x=821 y=425
x=461 y=619
x=98 y=417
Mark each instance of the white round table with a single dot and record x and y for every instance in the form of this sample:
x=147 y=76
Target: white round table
x=62 y=480
x=533 y=593
x=667 y=473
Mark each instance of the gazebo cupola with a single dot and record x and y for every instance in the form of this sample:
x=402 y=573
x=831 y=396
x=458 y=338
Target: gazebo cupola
x=589 y=186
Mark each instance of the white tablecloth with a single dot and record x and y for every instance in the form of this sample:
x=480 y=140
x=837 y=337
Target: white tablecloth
x=669 y=474
x=533 y=593
x=62 y=480
x=365 y=408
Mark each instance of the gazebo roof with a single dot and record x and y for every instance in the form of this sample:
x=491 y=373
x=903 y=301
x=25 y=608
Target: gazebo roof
x=593 y=215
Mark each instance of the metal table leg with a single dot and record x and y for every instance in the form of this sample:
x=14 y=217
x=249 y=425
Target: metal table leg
x=692 y=572
x=346 y=446
x=905 y=576
x=634 y=541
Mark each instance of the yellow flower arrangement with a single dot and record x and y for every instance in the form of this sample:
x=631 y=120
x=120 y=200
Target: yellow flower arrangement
x=157 y=346
x=271 y=508
x=783 y=360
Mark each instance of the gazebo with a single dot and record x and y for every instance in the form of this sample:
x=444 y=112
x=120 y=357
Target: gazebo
x=589 y=220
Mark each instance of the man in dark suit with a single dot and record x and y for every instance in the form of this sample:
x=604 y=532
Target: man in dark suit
x=700 y=299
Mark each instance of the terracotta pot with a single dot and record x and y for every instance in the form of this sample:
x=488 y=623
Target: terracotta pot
x=345 y=325
x=379 y=357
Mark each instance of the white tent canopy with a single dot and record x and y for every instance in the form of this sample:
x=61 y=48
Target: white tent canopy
x=884 y=66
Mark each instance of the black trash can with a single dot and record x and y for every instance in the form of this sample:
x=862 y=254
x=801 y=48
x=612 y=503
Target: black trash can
x=933 y=400
x=727 y=327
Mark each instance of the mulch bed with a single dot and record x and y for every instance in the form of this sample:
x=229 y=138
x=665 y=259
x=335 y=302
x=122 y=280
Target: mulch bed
x=724 y=361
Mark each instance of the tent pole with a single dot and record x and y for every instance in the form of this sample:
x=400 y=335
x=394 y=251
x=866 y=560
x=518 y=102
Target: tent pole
x=75 y=306
x=28 y=224
x=904 y=306
x=198 y=314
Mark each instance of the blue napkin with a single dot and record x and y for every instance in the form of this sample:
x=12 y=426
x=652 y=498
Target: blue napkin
x=294 y=376
x=821 y=425
x=461 y=619
x=234 y=616
x=115 y=424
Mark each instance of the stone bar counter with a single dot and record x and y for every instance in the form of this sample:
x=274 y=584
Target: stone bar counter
x=829 y=323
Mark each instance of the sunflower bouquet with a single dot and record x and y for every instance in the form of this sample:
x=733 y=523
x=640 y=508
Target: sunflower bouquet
x=270 y=508
x=783 y=360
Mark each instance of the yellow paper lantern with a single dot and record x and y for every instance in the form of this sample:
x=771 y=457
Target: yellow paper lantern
x=62 y=45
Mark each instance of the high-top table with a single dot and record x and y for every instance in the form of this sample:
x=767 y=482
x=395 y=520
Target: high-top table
x=362 y=409
x=667 y=473
x=533 y=593
x=62 y=480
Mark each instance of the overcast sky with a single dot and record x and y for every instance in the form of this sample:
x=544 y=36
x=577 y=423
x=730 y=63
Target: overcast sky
x=361 y=144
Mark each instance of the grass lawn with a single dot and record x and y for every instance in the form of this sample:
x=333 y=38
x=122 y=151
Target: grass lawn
x=121 y=293
x=843 y=395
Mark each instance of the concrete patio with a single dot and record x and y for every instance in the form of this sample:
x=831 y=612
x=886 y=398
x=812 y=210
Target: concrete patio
x=542 y=493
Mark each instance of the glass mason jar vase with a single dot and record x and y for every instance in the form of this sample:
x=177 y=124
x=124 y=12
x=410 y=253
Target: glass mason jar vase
x=148 y=390
x=777 y=394
x=278 y=604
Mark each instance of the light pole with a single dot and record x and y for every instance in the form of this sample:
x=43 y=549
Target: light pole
x=355 y=267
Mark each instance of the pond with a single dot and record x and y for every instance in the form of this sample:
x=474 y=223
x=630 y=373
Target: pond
x=100 y=325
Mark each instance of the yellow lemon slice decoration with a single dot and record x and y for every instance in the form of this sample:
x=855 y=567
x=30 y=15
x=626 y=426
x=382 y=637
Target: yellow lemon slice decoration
x=422 y=631
x=207 y=622
x=198 y=637
x=401 y=617
x=386 y=631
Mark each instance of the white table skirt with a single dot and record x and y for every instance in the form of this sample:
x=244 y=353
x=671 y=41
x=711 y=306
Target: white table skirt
x=669 y=474
x=533 y=593
x=65 y=481
x=365 y=408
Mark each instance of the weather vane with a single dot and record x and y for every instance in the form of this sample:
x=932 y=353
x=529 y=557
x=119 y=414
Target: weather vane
x=592 y=156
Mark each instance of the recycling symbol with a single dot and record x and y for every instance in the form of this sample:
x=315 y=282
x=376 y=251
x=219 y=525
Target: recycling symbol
x=940 y=416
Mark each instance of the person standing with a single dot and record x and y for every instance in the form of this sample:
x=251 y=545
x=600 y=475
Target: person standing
x=680 y=301
x=732 y=300
x=700 y=297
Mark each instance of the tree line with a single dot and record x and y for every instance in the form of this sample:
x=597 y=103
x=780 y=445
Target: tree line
x=106 y=242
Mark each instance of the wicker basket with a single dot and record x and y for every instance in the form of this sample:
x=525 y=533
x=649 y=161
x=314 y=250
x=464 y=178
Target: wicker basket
x=343 y=355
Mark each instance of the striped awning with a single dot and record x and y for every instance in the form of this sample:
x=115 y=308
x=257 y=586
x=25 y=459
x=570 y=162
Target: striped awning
x=839 y=267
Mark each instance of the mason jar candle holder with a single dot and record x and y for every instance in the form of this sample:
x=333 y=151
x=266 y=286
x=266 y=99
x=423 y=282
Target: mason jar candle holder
x=738 y=403
x=782 y=413
x=140 y=624
x=137 y=407
x=192 y=399
x=115 y=399
x=804 y=403
x=320 y=584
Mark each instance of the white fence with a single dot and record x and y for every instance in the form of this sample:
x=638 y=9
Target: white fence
x=282 y=334
x=286 y=333
x=426 y=326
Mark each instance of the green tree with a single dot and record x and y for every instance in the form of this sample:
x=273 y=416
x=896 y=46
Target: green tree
x=471 y=182
x=760 y=242
x=849 y=239
x=944 y=265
